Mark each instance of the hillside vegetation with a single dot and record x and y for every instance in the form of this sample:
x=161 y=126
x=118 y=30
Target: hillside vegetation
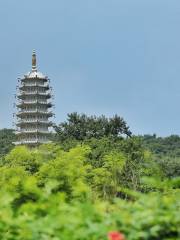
x=94 y=178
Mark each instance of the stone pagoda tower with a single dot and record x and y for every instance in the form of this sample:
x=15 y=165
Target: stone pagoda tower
x=33 y=104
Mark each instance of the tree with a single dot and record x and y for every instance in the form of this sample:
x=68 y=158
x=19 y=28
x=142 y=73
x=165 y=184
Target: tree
x=7 y=136
x=106 y=180
x=81 y=127
x=166 y=152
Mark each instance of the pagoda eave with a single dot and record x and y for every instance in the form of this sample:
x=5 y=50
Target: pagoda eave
x=38 y=133
x=32 y=142
x=36 y=103
x=24 y=95
x=35 y=123
x=24 y=87
x=23 y=114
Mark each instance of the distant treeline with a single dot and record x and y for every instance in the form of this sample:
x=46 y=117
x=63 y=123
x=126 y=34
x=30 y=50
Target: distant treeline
x=162 y=146
x=81 y=127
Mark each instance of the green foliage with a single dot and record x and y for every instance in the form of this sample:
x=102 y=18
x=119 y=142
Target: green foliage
x=69 y=172
x=93 y=179
x=7 y=136
x=50 y=193
x=81 y=127
x=22 y=156
x=166 y=152
x=151 y=216
x=168 y=146
x=106 y=180
x=49 y=216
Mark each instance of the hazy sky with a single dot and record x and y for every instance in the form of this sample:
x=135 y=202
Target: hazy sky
x=103 y=57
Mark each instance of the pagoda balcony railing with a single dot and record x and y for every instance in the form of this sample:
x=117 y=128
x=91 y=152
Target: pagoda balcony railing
x=26 y=77
x=32 y=131
x=34 y=111
x=34 y=85
x=32 y=141
x=33 y=92
x=34 y=121
x=33 y=101
x=47 y=114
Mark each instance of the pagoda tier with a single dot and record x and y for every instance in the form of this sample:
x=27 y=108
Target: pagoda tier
x=36 y=82
x=33 y=112
x=34 y=94
x=39 y=104
x=32 y=132
x=32 y=141
x=39 y=123
x=34 y=100
x=25 y=89
x=34 y=87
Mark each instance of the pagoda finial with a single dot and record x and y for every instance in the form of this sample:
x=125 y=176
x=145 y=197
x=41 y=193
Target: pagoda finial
x=34 y=67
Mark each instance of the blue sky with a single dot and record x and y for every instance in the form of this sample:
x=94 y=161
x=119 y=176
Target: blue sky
x=103 y=57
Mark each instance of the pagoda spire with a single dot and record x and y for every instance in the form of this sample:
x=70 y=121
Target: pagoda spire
x=34 y=67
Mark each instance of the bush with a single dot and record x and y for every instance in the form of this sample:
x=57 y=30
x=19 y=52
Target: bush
x=50 y=193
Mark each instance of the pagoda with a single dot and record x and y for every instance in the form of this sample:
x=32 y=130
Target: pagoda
x=33 y=108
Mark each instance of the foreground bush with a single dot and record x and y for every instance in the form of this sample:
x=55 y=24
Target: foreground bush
x=49 y=193
x=151 y=216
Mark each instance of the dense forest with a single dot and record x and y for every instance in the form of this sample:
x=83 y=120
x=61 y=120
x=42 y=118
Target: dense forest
x=94 y=181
